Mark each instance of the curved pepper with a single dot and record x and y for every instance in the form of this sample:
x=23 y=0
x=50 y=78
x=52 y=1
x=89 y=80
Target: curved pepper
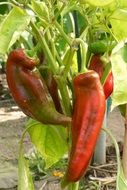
x=30 y=91
x=97 y=65
x=89 y=109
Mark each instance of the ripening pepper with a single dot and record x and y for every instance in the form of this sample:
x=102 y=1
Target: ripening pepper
x=97 y=65
x=87 y=118
x=30 y=91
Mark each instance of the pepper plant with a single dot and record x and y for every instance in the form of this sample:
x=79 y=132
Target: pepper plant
x=49 y=46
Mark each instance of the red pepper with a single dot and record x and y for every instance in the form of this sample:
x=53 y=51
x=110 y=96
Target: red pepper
x=88 y=114
x=30 y=91
x=97 y=65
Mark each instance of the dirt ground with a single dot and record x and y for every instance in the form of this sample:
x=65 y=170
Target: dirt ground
x=12 y=122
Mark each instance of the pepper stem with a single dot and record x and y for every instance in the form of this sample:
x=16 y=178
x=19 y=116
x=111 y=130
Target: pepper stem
x=73 y=186
x=68 y=63
x=64 y=35
x=64 y=95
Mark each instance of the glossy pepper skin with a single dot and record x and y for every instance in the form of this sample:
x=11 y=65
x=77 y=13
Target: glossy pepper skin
x=30 y=91
x=97 y=65
x=88 y=114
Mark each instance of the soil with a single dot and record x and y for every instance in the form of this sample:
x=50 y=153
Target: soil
x=12 y=122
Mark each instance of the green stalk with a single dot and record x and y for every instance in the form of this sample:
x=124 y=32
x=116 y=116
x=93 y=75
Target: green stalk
x=45 y=48
x=6 y=3
x=68 y=63
x=56 y=55
x=63 y=34
x=61 y=82
x=84 y=50
x=111 y=33
x=22 y=138
x=64 y=95
x=73 y=186
x=60 y=11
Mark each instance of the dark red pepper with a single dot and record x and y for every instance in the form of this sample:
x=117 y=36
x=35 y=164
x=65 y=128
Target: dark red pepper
x=97 y=65
x=30 y=91
x=88 y=114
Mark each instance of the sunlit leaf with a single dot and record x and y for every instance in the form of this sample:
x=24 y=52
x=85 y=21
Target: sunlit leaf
x=118 y=22
x=50 y=141
x=11 y=27
x=98 y=3
x=122 y=3
x=41 y=9
x=119 y=69
x=25 y=181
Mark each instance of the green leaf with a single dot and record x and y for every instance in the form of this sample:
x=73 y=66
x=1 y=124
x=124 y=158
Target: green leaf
x=67 y=23
x=122 y=109
x=3 y=8
x=25 y=181
x=118 y=22
x=50 y=140
x=99 y=3
x=119 y=69
x=41 y=9
x=122 y=3
x=122 y=182
x=11 y=27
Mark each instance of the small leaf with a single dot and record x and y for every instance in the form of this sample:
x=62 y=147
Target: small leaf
x=25 y=181
x=119 y=69
x=14 y=23
x=118 y=22
x=99 y=3
x=40 y=9
x=50 y=141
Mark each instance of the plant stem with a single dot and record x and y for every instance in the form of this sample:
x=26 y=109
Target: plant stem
x=60 y=11
x=73 y=186
x=6 y=3
x=64 y=94
x=111 y=33
x=56 y=55
x=22 y=138
x=45 y=48
x=68 y=63
x=124 y=157
x=84 y=50
x=63 y=34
